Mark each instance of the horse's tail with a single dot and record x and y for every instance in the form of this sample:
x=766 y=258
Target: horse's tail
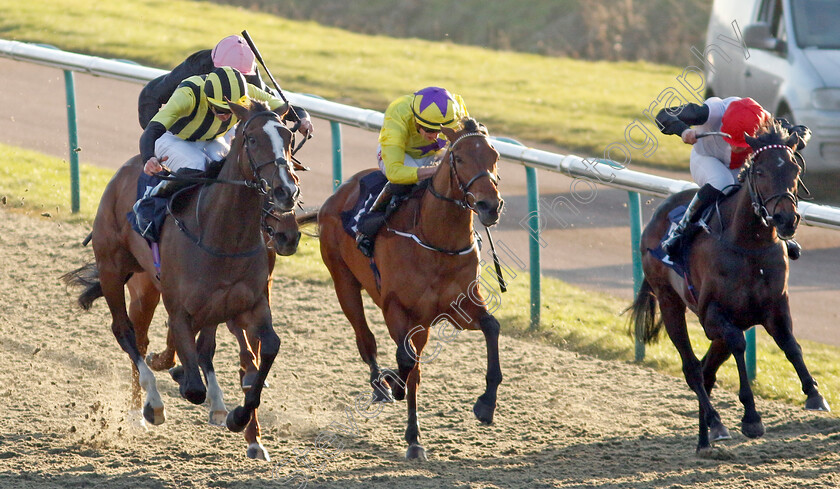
x=643 y=314
x=86 y=277
x=308 y=219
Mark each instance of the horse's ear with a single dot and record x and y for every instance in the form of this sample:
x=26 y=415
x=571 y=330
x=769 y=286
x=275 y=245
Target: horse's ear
x=753 y=142
x=282 y=110
x=793 y=141
x=449 y=133
x=240 y=111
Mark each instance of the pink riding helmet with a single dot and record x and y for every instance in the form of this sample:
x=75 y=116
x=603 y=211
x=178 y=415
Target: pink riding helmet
x=233 y=51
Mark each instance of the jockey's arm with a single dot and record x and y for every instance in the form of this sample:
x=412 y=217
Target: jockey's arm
x=180 y=104
x=678 y=120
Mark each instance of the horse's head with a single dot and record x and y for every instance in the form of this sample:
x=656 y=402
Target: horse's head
x=268 y=145
x=471 y=158
x=773 y=178
x=281 y=231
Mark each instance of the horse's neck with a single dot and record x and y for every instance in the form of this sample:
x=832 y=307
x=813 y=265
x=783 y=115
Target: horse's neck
x=445 y=224
x=232 y=211
x=745 y=228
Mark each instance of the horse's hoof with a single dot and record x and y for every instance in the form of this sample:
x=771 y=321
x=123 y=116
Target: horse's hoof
x=719 y=433
x=156 y=416
x=752 y=430
x=237 y=420
x=218 y=418
x=177 y=373
x=416 y=452
x=195 y=396
x=155 y=363
x=816 y=402
x=484 y=411
x=258 y=452
x=382 y=394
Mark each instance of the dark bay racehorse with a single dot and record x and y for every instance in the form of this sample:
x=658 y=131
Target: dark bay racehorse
x=214 y=264
x=739 y=273
x=422 y=282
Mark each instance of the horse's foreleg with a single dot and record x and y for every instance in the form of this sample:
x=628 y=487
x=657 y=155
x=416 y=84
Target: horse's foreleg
x=485 y=406
x=781 y=329
x=206 y=347
x=113 y=289
x=260 y=326
x=407 y=357
x=144 y=298
x=717 y=321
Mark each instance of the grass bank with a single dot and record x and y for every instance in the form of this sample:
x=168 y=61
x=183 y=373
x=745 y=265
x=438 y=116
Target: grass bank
x=574 y=105
x=572 y=318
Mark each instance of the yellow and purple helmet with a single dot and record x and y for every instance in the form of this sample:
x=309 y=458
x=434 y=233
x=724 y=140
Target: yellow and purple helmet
x=223 y=84
x=433 y=107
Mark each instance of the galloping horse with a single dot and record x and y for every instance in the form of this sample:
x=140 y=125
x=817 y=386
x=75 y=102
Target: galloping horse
x=737 y=279
x=423 y=282
x=214 y=267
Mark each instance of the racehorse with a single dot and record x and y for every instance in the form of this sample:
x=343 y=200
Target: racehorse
x=214 y=267
x=737 y=278
x=426 y=282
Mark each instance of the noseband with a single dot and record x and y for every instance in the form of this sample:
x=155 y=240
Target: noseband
x=465 y=188
x=759 y=204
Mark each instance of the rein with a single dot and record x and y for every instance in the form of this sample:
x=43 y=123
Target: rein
x=462 y=203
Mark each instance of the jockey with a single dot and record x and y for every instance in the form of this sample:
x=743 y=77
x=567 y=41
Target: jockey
x=409 y=148
x=194 y=128
x=716 y=160
x=231 y=51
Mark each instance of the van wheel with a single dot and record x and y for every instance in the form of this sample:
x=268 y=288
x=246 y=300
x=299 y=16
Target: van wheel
x=784 y=113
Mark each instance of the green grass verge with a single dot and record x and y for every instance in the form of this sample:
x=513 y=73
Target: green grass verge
x=572 y=318
x=576 y=105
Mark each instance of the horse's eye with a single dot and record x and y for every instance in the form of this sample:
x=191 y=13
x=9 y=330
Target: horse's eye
x=759 y=172
x=252 y=140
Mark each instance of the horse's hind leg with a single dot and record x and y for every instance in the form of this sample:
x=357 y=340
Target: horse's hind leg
x=347 y=288
x=144 y=298
x=673 y=314
x=781 y=329
x=206 y=347
x=717 y=325
x=113 y=289
x=407 y=360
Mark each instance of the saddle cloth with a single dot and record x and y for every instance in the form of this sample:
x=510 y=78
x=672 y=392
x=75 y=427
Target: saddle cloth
x=369 y=188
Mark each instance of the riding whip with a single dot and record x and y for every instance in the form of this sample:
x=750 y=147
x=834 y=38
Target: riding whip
x=502 y=284
x=260 y=59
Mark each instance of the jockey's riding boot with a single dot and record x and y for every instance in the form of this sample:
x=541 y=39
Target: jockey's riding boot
x=687 y=227
x=794 y=249
x=168 y=187
x=144 y=223
x=365 y=244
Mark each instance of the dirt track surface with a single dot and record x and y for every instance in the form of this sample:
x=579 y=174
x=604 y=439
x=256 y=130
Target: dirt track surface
x=563 y=420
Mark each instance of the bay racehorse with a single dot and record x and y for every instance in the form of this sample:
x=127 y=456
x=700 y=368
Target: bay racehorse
x=214 y=265
x=422 y=283
x=737 y=279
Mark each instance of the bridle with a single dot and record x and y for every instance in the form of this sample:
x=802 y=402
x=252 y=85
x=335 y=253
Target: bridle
x=257 y=183
x=759 y=203
x=464 y=188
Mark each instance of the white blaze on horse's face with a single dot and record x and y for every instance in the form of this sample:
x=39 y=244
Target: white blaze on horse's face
x=278 y=146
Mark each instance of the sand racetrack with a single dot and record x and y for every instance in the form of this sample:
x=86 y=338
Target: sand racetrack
x=563 y=420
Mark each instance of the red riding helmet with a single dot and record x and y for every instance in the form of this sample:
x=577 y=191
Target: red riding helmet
x=742 y=116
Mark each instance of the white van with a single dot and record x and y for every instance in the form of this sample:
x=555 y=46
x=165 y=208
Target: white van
x=789 y=62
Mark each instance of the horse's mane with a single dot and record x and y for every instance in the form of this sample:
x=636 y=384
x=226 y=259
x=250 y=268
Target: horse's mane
x=471 y=125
